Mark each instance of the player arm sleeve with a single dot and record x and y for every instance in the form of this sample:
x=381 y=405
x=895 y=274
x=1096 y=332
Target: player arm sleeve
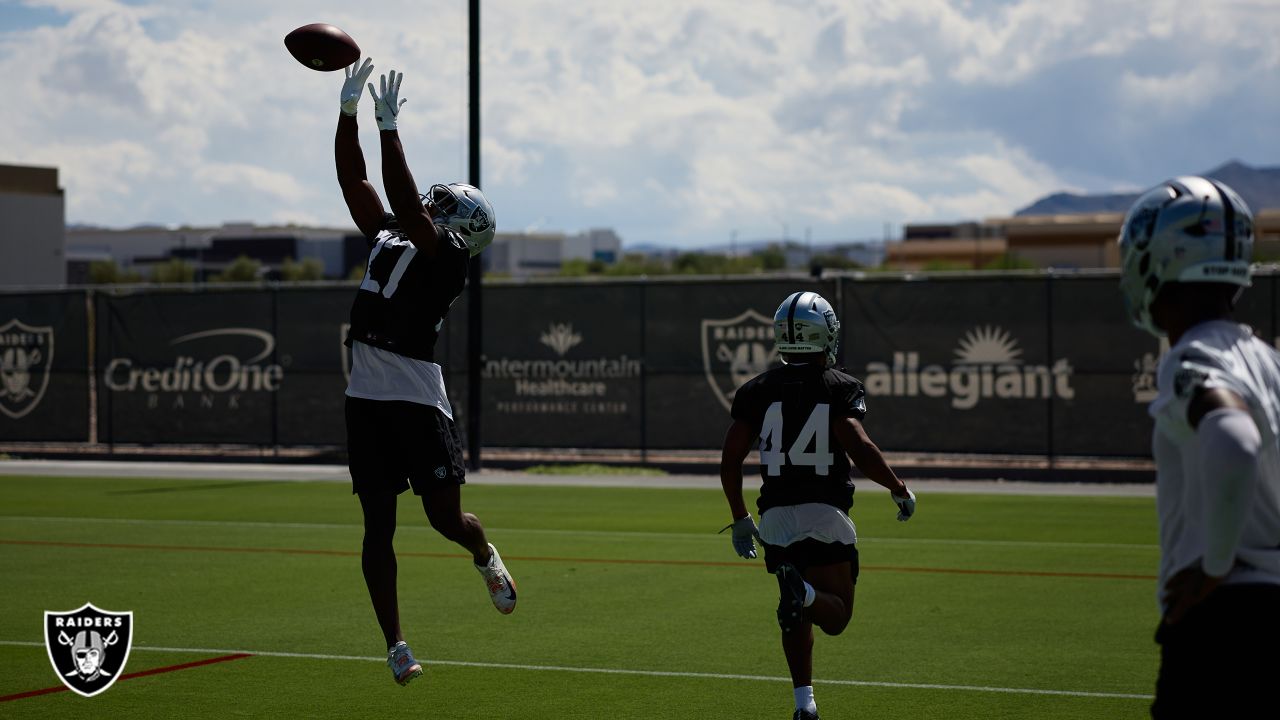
x=1229 y=445
x=362 y=200
x=402 y=193
x=851 y=399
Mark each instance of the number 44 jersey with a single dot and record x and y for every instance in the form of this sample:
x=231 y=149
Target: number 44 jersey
x=792 y=408
x=404 y=296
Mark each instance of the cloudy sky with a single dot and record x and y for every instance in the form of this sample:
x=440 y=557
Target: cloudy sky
x=674 y=122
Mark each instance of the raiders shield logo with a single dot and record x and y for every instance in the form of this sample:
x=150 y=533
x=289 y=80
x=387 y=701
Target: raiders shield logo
x=88 y=647
x=26 y=354
x=736 y=350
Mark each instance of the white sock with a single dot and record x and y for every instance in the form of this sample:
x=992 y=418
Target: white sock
x=804 y=699
x=809 y=596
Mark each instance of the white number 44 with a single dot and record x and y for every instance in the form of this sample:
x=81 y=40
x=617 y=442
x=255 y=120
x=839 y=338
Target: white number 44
x=816 y=431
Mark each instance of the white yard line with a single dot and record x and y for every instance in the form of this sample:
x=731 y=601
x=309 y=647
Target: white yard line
x=623 y=671
x=624 y=534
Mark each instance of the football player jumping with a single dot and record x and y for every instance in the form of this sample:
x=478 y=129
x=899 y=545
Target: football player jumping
x=400 y=429
x=807 y=416
x=1185 y=251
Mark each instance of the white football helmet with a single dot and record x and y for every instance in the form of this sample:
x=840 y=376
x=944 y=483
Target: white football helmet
x=1188 y=229
x=465 y=209
x=806 y=323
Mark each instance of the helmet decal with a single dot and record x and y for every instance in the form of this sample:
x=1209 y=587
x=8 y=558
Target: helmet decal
x=1188 y=229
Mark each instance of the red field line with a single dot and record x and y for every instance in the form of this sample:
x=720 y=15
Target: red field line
x=543 y=558
x=128 y=676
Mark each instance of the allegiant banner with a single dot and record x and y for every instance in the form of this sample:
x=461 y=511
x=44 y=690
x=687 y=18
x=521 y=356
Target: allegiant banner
x=1030 y=364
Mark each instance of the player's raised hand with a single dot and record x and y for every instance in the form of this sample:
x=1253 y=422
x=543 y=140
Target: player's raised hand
x=353 y=86
x=744 y=535
x=386 y=105
x=906 y=505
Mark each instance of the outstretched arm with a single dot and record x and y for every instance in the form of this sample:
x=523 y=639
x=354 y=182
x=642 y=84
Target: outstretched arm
x=362 y=200
x=402 y=192
x=871 y=463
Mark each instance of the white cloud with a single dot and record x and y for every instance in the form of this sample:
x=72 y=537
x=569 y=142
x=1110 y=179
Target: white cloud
x=672 y=121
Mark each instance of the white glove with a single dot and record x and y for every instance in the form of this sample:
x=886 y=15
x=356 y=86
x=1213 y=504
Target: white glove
x=906 y=505
x=386 y=107
x=744 y=531
x=353 y=86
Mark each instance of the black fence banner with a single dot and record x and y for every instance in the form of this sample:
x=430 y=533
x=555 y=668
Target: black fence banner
x=1114 y=371
x=703 y=340
x=563 y=366
x=955 y=365
x=1023 y=364
x=311 y=325
x=44 y=367
x=182 y=367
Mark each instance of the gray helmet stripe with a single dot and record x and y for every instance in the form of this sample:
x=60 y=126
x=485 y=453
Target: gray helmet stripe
x=1228 y=219
x=791 y=318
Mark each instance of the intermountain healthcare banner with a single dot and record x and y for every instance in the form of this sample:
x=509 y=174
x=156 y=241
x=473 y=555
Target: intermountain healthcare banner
x=703 y=340
x=563 y=366
x=44 y=367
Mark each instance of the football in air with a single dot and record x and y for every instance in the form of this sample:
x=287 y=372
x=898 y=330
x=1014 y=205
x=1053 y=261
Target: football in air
x=322 y=47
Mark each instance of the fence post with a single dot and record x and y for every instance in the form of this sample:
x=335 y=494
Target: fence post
x=1048 y=308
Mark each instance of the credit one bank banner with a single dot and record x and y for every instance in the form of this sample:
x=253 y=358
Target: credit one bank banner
x=1008 y=364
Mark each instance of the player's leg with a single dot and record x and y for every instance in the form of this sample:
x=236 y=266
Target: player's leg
x=797 y=645
x=377 y=477
x=438 y=476
x=378 y=561
x=1207 y=649
x=443 y=505
x=833 y=596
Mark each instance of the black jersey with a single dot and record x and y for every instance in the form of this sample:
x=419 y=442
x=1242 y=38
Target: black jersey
x=791 y=409
x=404 y=297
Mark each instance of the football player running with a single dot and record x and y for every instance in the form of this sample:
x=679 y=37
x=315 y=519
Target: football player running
x=807 y=417
x=1185 y=251
x=400 y=428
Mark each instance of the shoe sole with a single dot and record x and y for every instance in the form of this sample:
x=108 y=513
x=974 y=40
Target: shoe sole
x=790 y=604
x=414 y=672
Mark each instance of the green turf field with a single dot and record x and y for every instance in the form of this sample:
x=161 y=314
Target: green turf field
x=630 y=606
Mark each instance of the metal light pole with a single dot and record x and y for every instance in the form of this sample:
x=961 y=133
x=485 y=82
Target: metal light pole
x=475 y=269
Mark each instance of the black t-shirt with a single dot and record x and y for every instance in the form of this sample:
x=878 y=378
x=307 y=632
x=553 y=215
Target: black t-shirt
x=791 y=408
x=404 y=297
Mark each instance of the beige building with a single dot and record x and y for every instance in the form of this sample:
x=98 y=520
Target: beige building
x=32 y=226
x=1058 y=241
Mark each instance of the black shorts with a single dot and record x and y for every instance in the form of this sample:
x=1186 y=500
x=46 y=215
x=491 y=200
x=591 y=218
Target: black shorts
x=1218 y=661
x=809 y=552
x=392 y=445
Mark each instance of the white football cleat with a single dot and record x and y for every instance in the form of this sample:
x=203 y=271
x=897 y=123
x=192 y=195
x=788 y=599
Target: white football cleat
x=403 y=667
x=502 y=589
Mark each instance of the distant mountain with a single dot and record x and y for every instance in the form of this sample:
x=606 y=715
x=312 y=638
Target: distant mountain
x=1260 y=188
